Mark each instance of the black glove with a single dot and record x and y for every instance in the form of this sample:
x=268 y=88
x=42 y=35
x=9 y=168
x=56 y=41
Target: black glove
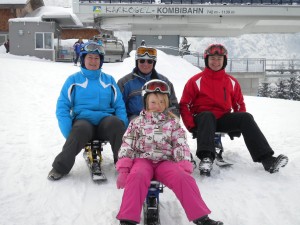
x=234 y=134
x=194 y=132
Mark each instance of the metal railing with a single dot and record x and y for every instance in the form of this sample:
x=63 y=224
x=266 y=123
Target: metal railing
x=242 y=65
x=251 y=65
x=283 y=65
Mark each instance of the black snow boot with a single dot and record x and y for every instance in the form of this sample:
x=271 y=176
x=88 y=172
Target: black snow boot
x=205 y=166
x=273 y=164
x=55 y=175
x=205 y=220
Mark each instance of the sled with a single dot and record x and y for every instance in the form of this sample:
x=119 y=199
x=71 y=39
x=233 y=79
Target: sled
x=151 y=204
x=93 y=157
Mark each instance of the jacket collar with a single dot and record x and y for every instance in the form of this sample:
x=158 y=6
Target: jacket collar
x=153 y=117
x=91 y=74
x=214 y=74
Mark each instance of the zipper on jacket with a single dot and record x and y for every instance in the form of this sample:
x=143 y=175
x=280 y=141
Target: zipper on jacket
x=224 y=93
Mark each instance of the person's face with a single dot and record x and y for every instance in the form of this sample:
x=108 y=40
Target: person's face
x=92 y=61
x=144 y=65
x=156 y=103
x=215 y=62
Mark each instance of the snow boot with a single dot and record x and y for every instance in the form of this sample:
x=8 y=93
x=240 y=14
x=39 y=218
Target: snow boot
x=54 y=175
x=205 y=166
x=205 y=220
x=273 y=164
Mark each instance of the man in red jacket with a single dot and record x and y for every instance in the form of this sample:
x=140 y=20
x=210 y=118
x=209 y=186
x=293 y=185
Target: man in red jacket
x=206 y=107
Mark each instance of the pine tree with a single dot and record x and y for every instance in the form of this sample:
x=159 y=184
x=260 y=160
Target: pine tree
x=282 y=89
x=264 y=89
x=297 y=89
x=292 y=86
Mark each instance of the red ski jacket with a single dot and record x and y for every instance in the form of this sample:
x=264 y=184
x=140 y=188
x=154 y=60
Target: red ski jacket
x=217 y=92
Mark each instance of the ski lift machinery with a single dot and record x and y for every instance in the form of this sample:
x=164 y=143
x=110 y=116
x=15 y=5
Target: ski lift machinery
x=114 y=48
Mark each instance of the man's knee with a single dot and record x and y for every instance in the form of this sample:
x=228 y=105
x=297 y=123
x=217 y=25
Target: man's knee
x=205 y=116
x=81 y=127
x=112 y=122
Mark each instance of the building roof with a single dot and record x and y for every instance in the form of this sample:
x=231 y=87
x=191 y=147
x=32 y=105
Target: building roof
x=63 y=16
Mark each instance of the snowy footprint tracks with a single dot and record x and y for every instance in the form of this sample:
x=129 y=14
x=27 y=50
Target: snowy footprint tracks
x=93 y=157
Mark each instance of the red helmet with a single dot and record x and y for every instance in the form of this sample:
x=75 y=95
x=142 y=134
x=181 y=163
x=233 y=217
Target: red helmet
x=215 y=49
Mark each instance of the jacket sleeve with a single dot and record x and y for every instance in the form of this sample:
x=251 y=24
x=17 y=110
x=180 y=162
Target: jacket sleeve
x=173 y=98
x=119 y=104
x=174 y=101
x=181 y=150
x=128 y=142
x=185 y=103
x=63 y=109
x=238 y=103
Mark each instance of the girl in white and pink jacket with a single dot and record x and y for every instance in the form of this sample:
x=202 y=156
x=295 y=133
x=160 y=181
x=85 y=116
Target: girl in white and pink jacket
x=155 y=147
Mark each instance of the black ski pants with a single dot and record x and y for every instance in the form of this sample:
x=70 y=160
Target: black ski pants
x=110 y=129
x=243 y=122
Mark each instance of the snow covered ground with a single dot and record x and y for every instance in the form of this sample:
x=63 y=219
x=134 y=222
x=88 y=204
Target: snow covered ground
x=30 y=139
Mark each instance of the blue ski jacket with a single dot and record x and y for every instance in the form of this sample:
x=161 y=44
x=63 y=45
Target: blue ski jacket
x=90 y=95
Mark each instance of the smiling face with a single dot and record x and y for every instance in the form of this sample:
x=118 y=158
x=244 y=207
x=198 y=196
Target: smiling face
x=92 y=61
x=144 y=66
x=215 y=62
x=156 y=102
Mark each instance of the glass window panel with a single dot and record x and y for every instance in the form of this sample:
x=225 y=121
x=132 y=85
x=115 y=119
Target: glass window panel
x=38 y=40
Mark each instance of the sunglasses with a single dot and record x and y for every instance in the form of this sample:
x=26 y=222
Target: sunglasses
x=157 y=87
x=216 y=50
x=94 y=47
x=149 y=61
x=152 y=52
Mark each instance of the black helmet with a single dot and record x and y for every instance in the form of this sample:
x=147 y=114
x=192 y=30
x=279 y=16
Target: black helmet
x=215 y=49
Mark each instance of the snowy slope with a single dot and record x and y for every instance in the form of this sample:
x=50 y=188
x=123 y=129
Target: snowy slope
x=242 y=195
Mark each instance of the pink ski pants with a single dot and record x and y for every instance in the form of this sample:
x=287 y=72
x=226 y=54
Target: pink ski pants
x=170 y=174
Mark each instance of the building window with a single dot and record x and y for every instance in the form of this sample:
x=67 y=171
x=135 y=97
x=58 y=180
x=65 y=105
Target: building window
x=44 y=40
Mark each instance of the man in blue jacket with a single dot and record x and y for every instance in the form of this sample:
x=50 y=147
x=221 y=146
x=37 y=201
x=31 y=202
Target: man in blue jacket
x=90 y=106
x=77 y=46
x=132 y=83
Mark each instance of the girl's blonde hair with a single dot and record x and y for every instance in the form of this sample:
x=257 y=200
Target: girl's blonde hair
x=166 y=99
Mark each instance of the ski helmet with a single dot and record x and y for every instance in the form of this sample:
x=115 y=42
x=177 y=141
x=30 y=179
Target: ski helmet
x=144 y=52
x=215 y=49
x=94 y=48
x=155 y=86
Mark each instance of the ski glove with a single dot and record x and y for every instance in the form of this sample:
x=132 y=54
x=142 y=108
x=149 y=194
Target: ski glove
x=122 y=177
x=186 y=165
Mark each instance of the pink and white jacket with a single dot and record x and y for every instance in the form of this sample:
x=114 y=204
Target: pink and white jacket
x=155 y=136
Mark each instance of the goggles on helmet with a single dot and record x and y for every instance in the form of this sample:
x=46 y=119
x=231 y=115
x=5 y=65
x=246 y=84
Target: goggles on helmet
x=215 y=49
x=146 y=53
x=93 y=47
x=156 y=86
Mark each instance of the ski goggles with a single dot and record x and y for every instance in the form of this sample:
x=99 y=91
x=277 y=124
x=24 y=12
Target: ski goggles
x=216 y=50
x=157 y=86
x=149 y=61
x=143 y=51
x=93 y=47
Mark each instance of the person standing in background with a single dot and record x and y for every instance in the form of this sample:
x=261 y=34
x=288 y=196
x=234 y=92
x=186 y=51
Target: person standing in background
x=6 y=45
x=77 y=46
